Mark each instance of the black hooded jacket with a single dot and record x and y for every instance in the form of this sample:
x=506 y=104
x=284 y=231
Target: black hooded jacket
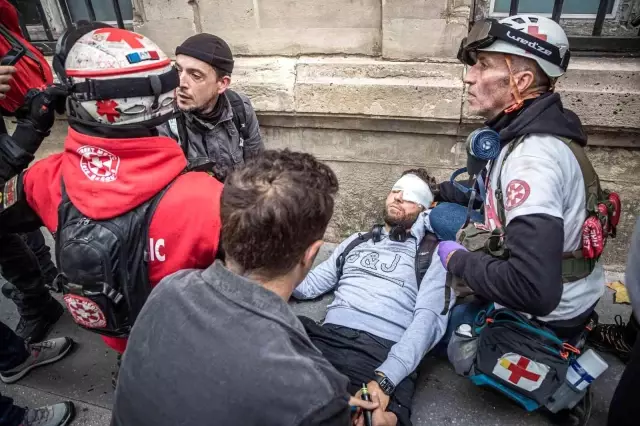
x=531 y=279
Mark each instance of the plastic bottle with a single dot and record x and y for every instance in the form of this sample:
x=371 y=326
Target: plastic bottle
x=580 y=374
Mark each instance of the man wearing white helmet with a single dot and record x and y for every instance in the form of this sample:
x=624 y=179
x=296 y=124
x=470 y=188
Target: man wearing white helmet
x=123 y=212
x=545 y=215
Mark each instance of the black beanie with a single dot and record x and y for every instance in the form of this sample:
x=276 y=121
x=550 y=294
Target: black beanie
x=208 y=48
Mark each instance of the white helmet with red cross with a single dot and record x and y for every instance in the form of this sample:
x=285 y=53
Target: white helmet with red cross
x=116 y=76
x=538 y=26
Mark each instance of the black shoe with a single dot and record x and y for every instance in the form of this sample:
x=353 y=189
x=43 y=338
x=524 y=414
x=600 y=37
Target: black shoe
x=36 y=329
x=53 y=415
x=611 y=338
x=577 y=416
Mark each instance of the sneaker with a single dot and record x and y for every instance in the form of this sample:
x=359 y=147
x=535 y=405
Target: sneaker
x=52 y=415
x=611 y=338
x=36 y=329
x=41 y=354
x=577 y=416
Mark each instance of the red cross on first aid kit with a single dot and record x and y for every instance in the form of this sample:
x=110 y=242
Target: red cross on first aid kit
x=521 y=371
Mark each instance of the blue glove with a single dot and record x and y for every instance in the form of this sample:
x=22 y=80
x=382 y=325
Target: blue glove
x=446 y=248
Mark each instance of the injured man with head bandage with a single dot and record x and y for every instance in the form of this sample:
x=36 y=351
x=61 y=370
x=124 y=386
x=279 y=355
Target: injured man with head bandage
x=389 y=295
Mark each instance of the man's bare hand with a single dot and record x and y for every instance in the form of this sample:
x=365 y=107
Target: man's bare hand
x=5 y=76
x=379 y=416
x=372 y=387
x=355 y=401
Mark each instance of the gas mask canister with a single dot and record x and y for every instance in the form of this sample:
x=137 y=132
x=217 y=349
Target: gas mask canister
x=482 y=146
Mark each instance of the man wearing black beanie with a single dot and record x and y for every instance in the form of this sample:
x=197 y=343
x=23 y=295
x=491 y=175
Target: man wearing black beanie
x=217 y=127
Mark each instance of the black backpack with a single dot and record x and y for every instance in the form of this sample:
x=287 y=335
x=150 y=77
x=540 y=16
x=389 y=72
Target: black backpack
x=423 y=258
x=102 y=265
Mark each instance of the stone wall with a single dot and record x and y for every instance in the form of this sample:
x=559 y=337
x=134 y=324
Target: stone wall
x=372 y=87
x=398 y=29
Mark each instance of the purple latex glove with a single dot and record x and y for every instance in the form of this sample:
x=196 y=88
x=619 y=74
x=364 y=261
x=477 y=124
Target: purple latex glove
x=445 y=249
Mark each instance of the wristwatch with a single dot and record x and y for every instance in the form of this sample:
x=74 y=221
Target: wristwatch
x=385 y=384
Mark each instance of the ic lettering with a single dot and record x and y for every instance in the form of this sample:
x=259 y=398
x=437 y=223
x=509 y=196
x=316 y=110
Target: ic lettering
x=154 y=250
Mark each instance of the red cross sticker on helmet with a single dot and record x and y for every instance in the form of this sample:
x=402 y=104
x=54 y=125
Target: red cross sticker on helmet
x=119 y=35
x=534 y=31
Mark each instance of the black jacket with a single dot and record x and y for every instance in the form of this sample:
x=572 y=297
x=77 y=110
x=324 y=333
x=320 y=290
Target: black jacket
x=212 y=347
x=17 y=150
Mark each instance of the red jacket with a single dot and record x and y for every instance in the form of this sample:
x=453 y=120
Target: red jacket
x=105 y=178
x=32 y=71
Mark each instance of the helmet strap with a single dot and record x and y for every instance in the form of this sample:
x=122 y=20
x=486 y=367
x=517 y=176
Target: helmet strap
x=519 y=97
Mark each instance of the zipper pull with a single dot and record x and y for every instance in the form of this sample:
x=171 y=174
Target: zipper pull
x=85 y=221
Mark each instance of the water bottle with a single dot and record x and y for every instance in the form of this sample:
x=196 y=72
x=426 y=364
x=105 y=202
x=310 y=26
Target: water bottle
x=580 y=374
x=462 y=349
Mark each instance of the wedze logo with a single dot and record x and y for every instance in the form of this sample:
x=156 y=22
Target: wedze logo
x=532 y=44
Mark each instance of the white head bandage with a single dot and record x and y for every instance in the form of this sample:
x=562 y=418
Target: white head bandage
x=415 y=190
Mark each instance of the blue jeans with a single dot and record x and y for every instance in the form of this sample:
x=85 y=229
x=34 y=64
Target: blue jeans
x=12 y=353
x=447 y=218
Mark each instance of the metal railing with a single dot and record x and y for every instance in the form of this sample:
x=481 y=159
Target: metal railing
x=596 y=42
x=48 y=46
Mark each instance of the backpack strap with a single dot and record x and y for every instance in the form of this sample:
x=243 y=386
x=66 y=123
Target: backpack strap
x=6 y=33
x=63 y=200
x=183 y=135
x=340 y=261
x=592 y=189
x=424 y=255
x=144 y=271
x=239 y=115
x=498 y=192
x=574 y=265
x=149 y=216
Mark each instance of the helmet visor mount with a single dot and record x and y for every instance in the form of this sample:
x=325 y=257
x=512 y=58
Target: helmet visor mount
x=486 y=32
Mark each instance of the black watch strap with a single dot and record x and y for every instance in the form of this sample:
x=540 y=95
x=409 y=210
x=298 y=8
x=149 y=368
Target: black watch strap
x=387 y=386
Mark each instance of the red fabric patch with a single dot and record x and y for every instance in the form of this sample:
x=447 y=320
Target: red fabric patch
x=98 y=164
x=10 y=189
x=592 y=238
x=517 y=193
x=614 y=199
x=108 y=108
x=85 y=312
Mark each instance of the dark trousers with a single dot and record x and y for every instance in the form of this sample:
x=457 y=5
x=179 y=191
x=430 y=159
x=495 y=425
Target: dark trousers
x=36 y=242
x=21 y=268
x=357 y=354
x=624 y=409
x=12 y=353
